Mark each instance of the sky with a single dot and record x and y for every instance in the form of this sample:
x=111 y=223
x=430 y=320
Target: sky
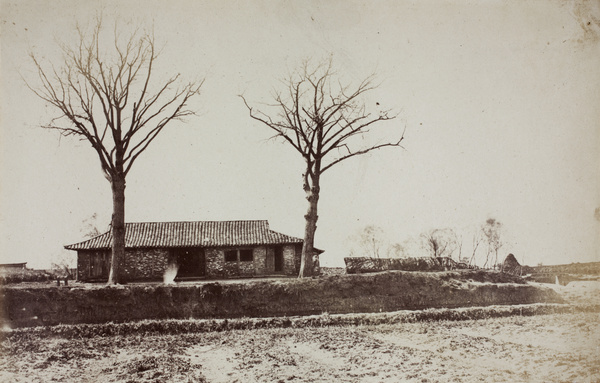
x=499 y=101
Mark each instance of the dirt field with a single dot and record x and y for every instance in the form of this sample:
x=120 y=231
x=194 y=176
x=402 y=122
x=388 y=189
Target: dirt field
x=545 y=348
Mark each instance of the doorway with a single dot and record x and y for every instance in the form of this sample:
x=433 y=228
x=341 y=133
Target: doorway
x=278 y=259
x=190 y=262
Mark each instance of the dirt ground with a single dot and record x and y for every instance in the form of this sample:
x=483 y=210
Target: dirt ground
x=546 y=348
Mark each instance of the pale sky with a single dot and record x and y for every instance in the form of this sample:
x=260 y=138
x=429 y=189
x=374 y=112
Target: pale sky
x=500 y=100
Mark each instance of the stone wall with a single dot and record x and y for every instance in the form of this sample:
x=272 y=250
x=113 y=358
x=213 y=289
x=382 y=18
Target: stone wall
x=214 y=262
x=289 y=260
x=216 y=267
x=358 y=265
x=145 y=263
x=260 y=260
x=297 y=257
x=138 y=264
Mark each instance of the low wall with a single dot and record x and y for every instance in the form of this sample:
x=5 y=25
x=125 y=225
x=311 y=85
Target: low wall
x=360 y=265
x=380 y=292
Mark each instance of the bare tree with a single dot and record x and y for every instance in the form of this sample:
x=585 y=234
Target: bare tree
x=440 y=242
x=326 y=122
x=492 y=231
x=105 y=93
x=477 y=239
x=397 y=250
x=412 y=247
x=90 y=226
x=459 y=246
x=62 y=263
x=369 y=242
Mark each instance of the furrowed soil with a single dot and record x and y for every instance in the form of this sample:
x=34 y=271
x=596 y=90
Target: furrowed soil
x=543 y=348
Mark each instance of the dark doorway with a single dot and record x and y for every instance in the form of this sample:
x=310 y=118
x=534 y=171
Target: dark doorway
x=190 y=262
x=99 y=266
x=278 y=258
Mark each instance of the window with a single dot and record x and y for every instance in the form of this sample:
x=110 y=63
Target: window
x=231 y=256
x=246 y=256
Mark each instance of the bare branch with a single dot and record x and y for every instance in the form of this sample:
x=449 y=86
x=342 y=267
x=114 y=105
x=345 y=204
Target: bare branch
x=361 y=152
x=91 y=92
x=318 y=120
x=274 y=126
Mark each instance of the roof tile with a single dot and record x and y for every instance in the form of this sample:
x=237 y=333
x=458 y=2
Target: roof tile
x=191 y=234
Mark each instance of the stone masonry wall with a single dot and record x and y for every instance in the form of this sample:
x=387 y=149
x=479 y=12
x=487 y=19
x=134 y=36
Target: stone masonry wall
x=231 y=269
x=138 y=264
x=214 y=263
x=289 y=260
x=246 y=269
x=152 y=263
x=297 y=257
x=260 y=260
x=145 y=263
x=216 y=267
x=269 y=260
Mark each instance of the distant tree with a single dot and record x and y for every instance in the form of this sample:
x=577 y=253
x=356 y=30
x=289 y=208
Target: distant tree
x=369 y=242
x=413 y=247
x=492 y=230
x=477 y=239
x=397 y=250
x=62 y=263
x=326 y=123
x=459 y=246
x=103 y=95
x=90 y=227
x=439 y=242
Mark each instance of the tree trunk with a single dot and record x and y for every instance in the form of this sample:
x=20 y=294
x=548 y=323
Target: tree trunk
x=118 y=230
x=311 y=217
x=496 y=259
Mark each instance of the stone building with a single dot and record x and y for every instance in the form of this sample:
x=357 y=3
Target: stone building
x=203 y=249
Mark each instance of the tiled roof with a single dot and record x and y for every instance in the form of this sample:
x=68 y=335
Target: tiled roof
x=191 y=234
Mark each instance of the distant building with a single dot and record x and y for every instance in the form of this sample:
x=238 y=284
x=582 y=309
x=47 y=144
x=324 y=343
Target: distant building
x=201 y=249
x=22 y=265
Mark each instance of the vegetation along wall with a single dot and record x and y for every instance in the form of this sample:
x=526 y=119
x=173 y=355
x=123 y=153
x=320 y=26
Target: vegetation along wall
x=379 y=292
x=359 y=265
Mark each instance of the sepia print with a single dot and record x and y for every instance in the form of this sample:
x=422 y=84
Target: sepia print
x=319 y=191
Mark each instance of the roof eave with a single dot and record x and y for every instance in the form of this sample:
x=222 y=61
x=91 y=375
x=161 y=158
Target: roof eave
x=74 y=247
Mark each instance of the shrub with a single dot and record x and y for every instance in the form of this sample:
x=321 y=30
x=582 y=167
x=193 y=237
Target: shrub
x=11 y=276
